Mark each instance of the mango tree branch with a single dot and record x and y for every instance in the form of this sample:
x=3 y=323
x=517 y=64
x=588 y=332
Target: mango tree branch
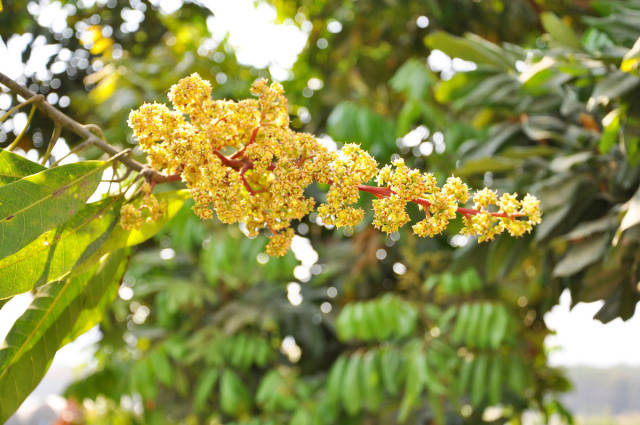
x=64 y=121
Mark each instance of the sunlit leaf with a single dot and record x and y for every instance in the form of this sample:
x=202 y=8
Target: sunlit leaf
x=14 y=167
x=56 y=252
x=39 y=202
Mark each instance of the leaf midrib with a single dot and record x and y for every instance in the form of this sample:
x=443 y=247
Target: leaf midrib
x=61 y=238
x=54 y=193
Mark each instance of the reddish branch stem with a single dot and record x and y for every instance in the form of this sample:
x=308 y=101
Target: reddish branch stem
x=383 y=192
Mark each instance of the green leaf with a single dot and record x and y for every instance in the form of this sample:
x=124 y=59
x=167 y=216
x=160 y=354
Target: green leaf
x=581 y=254
x=560 y=31
x=22 y=369
x=50 y=303
x=349 y=122
x=42 y=201
x=235 y=399
x=335 y=378
x=203 y=389
x=494 y=164
x=459 y=330
x=495 y=381
x=464 y=378
x=517 y=378
x=14 y=167
x=471 y=48
x=498 y=327
x=415 y=379
x=56 y=252
x=479 y=379
x=473 y=325
x=370 y=381
x=352 y=392
x=121 y=238
x=161 y=366
x=484 y=324
x=614 y=85
x=413 y=78
x=611 y=128
x=390 y=365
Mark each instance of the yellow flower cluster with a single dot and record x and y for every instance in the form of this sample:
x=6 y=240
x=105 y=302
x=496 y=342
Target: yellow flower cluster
x=148 y=210
x=486 y=225
x=242 y=161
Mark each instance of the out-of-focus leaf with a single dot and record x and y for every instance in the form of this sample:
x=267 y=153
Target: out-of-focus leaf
x=203 y=389
x=495 y=380
x=479 y=379
x=614 y=85
x=471 y=48
x=498 y=327
x=352 y=392
x=349 y=122
x=413 y=78
x=611 y=128
x=632 y=216
x=482 y=165
x=235 y=399
x=560 y=31
x=39 y=202
x=581 y=254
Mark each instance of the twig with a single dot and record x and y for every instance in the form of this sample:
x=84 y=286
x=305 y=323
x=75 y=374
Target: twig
x=85 y=133
x=52 y=141
x=37 y=98
x=15 y=143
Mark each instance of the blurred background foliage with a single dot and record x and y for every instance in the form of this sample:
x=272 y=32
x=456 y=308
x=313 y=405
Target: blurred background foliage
x=357 y=327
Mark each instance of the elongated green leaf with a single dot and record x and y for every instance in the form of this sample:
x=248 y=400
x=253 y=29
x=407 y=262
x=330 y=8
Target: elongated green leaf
x=58 y=251
x=560 y=31
x=371 y=381
x=99 y=297
x=204 y=388
x=479 y=379
x=22 y=368
x=42 y=201
x=495 y=381
x=390 y=364
x=352 y=394
x=416 y=379
x=334 y=380
x=14 y=167
x=471 y=48
x=235 y=399
x=499 y=326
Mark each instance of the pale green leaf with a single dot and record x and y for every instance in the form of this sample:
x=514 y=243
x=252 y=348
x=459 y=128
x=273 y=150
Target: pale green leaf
x=42 y=201
x=203 y=389
x=471 y=48
x=58 y=251
x=14 y=167
x=560 y=31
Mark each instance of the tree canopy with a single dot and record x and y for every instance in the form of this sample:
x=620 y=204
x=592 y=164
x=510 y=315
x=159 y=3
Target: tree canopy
x=353 y=326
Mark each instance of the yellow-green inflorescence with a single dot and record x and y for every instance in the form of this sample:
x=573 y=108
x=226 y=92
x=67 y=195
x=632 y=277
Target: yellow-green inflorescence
x=242 y=161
